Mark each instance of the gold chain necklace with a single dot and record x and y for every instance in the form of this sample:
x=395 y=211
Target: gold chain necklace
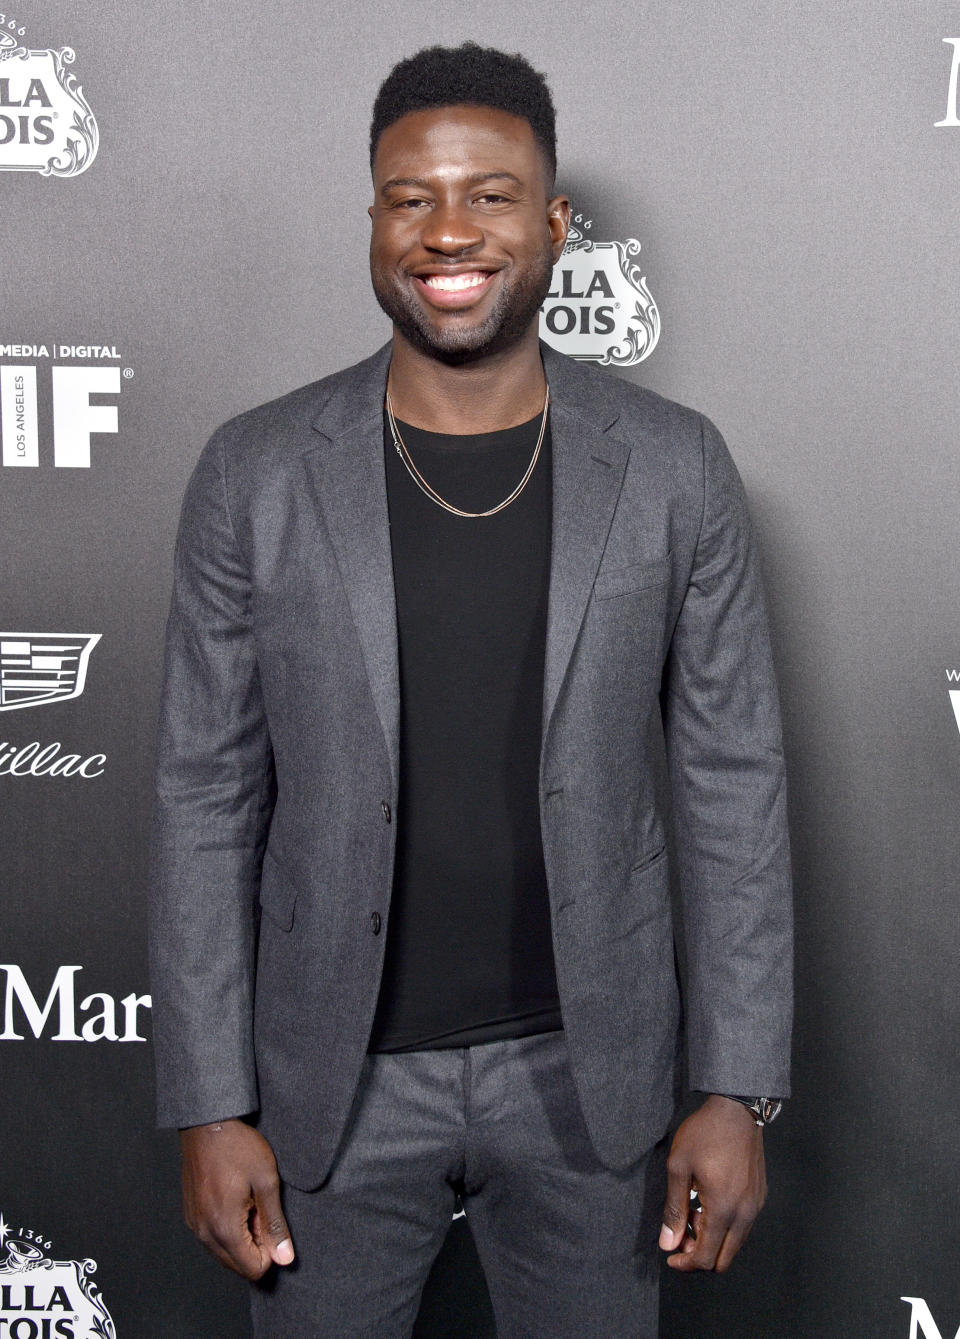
x=432 y=493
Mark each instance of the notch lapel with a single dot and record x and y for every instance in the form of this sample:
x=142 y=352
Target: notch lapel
x=588 y=471
x=347 y=471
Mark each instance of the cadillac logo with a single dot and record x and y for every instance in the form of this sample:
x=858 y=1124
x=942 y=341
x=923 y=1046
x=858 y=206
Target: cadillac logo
x=599 y=306
x=46 y=124
x=41 y=667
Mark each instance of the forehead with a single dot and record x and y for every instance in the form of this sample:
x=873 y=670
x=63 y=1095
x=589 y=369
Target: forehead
x=456 y=141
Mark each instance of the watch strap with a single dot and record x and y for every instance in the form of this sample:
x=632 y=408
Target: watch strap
x=764 y=1110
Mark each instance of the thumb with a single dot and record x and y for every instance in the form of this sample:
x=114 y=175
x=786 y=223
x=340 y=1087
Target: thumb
x=676 y=1208
x=270 y=1229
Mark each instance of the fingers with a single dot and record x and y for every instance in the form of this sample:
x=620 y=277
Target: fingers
x=742 y=1223
x=721 y=1229
x=268 y=1225
x=736 y=1236
x=231 y=1197
x=701 y=1251
x=226 y=1235
x=251 y=1233
x=676 y=1208
x=719 y=1150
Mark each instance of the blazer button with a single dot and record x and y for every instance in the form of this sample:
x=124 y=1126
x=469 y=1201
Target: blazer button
x=386 y=810
x=375 y=922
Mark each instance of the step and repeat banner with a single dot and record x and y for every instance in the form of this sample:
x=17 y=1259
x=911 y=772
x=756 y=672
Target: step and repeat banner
x=766 y=204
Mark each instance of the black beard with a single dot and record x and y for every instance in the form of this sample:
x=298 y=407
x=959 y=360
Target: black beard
x=509 y=320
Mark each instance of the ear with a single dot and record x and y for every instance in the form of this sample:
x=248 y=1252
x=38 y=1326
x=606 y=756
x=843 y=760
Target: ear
x=558 y=221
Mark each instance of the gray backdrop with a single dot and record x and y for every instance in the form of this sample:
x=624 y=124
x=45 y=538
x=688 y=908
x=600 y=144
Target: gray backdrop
x=797 y=208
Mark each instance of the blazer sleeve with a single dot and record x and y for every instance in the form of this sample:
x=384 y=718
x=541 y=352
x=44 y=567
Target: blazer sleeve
x=725 y=757
x=213 y=800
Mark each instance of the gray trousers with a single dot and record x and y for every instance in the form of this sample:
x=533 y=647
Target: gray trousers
x=568 y=1247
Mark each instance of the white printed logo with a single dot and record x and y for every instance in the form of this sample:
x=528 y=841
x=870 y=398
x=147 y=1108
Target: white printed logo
x=42 y=1298
x=75 y=417
x=46 y=124
x=599 y=307
x=22 y=1009
x=34 y=759
x=953 y=676
x=921 y=1321
x=951 y=118
x=41 y=667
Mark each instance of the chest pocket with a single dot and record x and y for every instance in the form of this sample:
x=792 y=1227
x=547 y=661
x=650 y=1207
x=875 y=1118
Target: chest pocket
x=635 y=577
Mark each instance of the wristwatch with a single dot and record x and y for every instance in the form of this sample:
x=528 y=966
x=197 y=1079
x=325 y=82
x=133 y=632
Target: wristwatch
x=763 y=1109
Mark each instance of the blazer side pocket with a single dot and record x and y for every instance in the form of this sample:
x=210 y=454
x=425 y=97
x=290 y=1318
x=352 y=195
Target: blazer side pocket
x=635 y=577
x=650 y=858
x=278 y=896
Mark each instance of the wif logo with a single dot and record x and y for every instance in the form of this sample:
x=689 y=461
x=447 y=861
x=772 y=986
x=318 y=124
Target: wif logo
x=75 y=417
x=953 y=676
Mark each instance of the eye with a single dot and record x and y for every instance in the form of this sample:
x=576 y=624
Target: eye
x=493 y=197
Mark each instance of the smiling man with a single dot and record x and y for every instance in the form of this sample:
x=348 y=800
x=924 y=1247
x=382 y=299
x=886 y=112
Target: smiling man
x=436 y=620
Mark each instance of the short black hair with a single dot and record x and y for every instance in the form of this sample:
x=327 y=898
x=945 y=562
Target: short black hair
x=468 y=75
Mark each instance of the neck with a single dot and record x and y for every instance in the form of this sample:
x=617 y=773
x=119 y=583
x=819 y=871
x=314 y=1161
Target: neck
x=497 y=392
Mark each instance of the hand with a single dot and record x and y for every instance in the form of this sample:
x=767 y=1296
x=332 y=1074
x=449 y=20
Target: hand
x=231 y=1196
x=718 y=1151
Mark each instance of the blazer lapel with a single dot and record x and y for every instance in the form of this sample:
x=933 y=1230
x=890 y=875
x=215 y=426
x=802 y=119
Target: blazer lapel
x=588 y=470
x=348 y=474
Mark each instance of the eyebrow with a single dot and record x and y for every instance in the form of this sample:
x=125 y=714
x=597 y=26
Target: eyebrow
x=476 y=179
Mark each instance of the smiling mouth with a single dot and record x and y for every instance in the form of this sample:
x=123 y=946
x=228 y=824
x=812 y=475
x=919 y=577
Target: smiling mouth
x=456 y=283
x=455 y=290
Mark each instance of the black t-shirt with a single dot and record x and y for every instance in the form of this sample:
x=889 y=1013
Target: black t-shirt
x=469 y=954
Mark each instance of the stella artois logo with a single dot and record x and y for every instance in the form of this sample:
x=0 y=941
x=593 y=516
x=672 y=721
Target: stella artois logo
x=41 y=667
x=599 y=306
x=42 y=1298
x=46 y=124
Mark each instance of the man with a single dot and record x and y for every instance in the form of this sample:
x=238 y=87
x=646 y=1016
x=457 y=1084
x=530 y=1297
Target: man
x=434 y=619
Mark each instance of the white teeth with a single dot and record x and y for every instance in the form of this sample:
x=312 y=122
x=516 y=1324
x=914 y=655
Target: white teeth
x=453 y=283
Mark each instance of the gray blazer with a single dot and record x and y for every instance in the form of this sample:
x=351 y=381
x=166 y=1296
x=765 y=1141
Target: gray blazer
x=276 y=798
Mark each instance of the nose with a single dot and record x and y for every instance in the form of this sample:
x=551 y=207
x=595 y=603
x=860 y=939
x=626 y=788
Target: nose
x=451 y=230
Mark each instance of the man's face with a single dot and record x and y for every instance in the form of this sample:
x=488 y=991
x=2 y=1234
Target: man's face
x=464 y=236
